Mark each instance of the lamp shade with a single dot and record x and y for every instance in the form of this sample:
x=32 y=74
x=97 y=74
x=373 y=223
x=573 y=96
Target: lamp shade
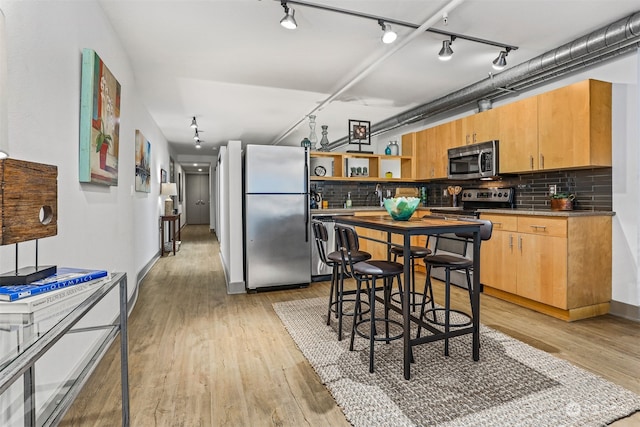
x=169 y=189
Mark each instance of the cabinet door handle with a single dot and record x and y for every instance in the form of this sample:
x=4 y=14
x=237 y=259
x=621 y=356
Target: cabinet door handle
x=531 y=161
x=541 y=161
x=536 y=227
x=520 y=243
x=497 y=225
x=511 y=242
x=466 y=139
x=475 y=137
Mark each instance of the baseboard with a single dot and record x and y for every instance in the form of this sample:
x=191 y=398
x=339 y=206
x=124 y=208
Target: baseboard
x=233 y=288
x=628 y=311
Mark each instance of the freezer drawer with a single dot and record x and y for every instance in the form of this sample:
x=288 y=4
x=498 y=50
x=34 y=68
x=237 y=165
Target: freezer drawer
x=277 y=241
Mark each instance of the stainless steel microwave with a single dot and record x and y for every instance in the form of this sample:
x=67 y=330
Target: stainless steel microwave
x=476 y=161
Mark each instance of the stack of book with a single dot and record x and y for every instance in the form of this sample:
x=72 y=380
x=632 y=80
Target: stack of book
x=59 y=288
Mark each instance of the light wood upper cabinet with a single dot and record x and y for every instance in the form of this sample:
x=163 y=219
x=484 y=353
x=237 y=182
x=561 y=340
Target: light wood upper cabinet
x=477 y=128
x=518 y=136
x=439 y=139
x=574 y=126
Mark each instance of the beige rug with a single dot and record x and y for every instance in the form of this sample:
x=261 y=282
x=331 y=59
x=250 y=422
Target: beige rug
x=513 y=384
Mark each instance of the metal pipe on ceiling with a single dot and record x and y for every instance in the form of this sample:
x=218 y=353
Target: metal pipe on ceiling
x=606 y=43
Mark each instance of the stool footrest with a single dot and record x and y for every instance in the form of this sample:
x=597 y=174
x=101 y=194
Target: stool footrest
x=437 y=322
x=377 y=338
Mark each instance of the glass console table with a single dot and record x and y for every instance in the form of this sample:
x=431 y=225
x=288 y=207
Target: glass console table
x=26 y=338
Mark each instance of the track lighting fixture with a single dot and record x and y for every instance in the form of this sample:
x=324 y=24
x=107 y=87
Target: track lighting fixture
x=446 y=52
x=289 y=20
x=194 y=124
x=198 y=144
x=501 y=61
x=388 y=35
x=196 y=136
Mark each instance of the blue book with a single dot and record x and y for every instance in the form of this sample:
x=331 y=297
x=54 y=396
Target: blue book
x=64 y=277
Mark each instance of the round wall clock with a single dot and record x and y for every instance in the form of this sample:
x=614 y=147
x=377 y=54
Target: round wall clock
x=320 y=171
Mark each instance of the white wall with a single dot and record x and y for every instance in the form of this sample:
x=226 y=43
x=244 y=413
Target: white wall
x=113 y=228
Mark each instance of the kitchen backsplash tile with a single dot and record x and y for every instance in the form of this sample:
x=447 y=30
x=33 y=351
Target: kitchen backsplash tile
x=592 y=187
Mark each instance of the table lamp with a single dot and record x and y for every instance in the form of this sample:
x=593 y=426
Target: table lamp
x=169 y=189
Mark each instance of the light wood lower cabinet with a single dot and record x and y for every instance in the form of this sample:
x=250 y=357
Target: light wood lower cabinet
x=560 y=266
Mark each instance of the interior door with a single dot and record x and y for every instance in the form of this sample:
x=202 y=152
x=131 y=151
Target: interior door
x=197 y=199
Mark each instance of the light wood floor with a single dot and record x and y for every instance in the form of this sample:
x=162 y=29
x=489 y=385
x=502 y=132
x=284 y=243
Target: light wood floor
x=200 y=357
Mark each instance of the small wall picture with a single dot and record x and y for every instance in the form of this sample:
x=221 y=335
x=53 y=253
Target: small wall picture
x=163 y=176
x=180 y=187
x=143 y=163
x=99 y=122
x=172 y=170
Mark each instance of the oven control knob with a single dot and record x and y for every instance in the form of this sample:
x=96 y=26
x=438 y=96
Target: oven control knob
x=499 y=194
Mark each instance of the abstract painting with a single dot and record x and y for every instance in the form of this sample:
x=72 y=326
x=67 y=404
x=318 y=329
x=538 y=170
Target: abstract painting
x=99 y=121
x=143 y=163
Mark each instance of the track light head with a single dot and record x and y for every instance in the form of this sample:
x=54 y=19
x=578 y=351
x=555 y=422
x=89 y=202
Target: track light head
x=446 y=52
x=289 y=20
x=501 y=61
x=198 y=146
x=196 y=136
x=194 y=124
x=388 y=35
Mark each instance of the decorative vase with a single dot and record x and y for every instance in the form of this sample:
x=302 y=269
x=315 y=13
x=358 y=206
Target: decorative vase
x=305 y=143
x=313 y=138
x=103 y=156
x=393 y=147
x=324 y=142
x=387 y=150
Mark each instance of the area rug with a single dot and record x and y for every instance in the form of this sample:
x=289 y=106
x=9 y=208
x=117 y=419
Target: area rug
x=513 y=384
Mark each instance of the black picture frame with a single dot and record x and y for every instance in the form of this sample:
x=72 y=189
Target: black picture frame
x=163 y=176
x=180 y=187
x=359 y=133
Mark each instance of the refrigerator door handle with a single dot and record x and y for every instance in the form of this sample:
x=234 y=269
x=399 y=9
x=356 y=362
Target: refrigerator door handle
x=306 y=191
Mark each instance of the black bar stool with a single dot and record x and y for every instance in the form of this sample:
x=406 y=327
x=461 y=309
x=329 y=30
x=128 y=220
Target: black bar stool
x=364 y=271
x=453 y=259
x=417 y=252
x=334 y=260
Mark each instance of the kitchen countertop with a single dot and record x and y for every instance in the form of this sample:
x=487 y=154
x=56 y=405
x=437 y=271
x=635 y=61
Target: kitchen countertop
x=352 y=210
x=546 y=212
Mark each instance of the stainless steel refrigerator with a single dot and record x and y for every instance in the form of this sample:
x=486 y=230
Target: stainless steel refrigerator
x=276 y=216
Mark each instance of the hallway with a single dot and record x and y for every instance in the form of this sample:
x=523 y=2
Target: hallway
x=200 y=357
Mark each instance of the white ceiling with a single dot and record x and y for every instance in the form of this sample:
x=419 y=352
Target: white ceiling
x=243 y=76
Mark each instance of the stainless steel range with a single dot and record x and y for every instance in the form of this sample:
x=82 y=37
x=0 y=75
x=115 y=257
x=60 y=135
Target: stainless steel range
x=472 y=200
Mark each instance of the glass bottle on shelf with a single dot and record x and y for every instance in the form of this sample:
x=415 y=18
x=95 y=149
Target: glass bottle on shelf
x=393 y=147
x=324 y=142
x=387 y=150
x=313 y=138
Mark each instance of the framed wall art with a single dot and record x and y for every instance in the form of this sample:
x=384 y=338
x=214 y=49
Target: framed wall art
x=163 y=176
x=143 y=163
x=172 y=170
x=99 y=121
x=359 y=133
x=179 y=187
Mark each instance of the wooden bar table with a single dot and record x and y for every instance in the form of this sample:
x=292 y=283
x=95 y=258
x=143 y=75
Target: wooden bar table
x=426 y=226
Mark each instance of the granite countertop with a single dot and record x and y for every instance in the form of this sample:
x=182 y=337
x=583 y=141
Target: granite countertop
x=352 y=210
x=546 y=212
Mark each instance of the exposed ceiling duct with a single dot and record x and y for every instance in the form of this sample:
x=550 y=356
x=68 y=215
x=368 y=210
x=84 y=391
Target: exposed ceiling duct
x=606 y=43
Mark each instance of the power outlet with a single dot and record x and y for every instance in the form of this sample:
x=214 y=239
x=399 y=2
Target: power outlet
x=553 y=189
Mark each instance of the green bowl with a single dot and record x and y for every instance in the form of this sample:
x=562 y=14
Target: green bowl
x=401 y=208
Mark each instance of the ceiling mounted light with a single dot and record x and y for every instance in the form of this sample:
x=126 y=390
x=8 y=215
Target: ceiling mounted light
x=501 y=61
x=388 y=35
x=196 y=136
x=194 y=124
x=289 y=20
x=198 y=144
x=446 y=52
